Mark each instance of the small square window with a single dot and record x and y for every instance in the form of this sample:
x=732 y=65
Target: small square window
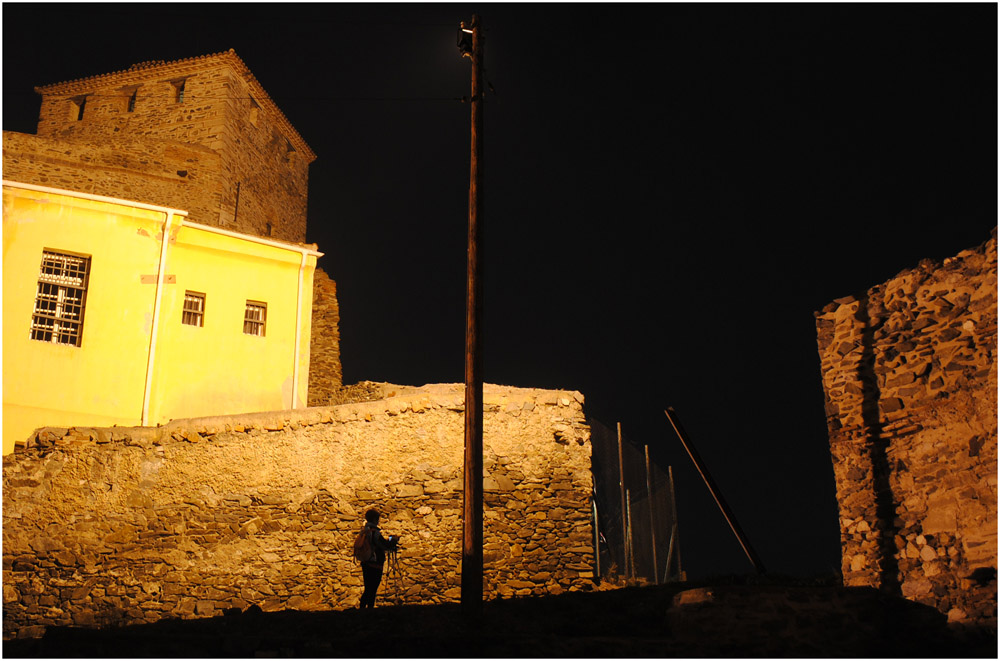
x=194 y=309
x=255 y=318
x=60 y=298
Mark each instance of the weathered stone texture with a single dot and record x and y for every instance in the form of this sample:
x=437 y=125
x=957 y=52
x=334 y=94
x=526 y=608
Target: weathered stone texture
x=910 y=381
x=225 y=153
x=325 y=376
x=120 y=525
x=187 y=177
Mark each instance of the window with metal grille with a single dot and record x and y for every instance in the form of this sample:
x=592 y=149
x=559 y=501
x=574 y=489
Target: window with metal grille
x=255 y=318
x=60 y=298
x=193 y=313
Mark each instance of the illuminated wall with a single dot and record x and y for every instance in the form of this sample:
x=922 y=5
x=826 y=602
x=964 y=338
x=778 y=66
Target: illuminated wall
x=126 y=525
x=109 y=378
x=325 y=375
x=199 y=134
x=910 y=381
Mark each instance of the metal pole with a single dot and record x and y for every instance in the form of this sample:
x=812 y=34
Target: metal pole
x=597 y=538
x=670 y=555
x=621 y=487
x=675 y=528
x=652 y=518
x=716 y=494
x=631 y=547
x=236 y=207
x=472 y=520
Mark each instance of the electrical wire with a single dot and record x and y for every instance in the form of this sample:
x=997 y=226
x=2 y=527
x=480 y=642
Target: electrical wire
x=195 y=99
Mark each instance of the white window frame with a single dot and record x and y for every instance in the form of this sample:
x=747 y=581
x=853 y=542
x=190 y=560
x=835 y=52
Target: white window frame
x=60 y=298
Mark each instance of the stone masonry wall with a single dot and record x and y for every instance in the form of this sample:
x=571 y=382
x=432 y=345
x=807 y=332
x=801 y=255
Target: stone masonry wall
x=169 y=174
x=325 y=375
x=256 y=184
x=273 y=177
x=910 y=380
x=122 y=525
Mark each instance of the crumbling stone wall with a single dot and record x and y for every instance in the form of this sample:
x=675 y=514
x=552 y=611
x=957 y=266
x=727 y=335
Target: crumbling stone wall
x=325 y=375
x=225 y=153
x=910 y=382
x=119 y=525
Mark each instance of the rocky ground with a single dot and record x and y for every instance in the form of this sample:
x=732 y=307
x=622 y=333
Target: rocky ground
x=721 y=619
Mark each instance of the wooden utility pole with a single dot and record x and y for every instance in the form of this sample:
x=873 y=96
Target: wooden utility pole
x=472 y=520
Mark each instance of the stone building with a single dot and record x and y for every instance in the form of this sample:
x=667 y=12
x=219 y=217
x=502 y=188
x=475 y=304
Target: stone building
x=910 y=380
x=198 y=136
x=121 y=313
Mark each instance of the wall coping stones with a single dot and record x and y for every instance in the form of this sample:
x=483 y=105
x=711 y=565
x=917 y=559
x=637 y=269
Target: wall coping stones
x=398 y=399
x=203 y=515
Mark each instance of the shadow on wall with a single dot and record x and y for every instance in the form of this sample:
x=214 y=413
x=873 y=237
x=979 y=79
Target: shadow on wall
x=885 y=509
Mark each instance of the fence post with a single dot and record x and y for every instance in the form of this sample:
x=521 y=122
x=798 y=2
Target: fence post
x=652 y=518
x=670 y=554
x=621 y=487
x=597 y=538
x=675 y=528
x=631 y=548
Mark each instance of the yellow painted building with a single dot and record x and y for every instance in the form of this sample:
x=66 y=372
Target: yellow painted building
x=106 y=323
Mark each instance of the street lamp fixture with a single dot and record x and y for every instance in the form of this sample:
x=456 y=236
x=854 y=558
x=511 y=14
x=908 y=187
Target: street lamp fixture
x=465 y=40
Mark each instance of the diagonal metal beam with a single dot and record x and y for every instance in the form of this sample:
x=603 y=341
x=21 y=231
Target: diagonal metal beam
x=716 y=493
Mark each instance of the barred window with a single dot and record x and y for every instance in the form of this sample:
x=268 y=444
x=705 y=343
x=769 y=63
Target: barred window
x=60 y=298
x=193 y=313
x=255 y=318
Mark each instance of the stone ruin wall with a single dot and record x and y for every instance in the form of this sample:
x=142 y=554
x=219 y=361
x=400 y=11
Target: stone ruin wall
x=325 y=374
x=127 y=525
x=187 y=155
x=910 y=380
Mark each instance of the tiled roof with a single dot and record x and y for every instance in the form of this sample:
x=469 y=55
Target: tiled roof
x=142 y=70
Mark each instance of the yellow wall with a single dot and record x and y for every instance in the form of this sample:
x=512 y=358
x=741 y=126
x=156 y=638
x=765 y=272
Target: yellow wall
x=212 y=370
x=245 y=373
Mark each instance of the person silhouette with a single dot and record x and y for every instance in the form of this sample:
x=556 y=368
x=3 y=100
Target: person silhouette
x=372 y=568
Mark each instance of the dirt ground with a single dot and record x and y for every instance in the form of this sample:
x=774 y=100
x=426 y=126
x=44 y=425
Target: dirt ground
x=627 y=622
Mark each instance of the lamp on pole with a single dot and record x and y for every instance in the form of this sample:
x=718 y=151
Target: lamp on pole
x=470 y=43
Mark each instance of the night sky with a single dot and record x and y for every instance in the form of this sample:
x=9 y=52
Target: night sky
x=671 y=191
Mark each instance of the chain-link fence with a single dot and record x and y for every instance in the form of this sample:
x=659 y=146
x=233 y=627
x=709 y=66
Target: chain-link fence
x=634 y=510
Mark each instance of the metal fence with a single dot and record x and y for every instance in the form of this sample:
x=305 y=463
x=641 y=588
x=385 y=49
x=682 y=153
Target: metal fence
x=634 y=510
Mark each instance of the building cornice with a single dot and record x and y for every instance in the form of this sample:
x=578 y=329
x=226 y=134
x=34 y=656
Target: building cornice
x=144 y=70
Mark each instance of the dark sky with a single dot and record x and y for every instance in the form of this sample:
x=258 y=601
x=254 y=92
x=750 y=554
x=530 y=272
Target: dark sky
x=671 y=192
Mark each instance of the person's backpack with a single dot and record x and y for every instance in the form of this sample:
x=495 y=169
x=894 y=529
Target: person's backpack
x=364 y=550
